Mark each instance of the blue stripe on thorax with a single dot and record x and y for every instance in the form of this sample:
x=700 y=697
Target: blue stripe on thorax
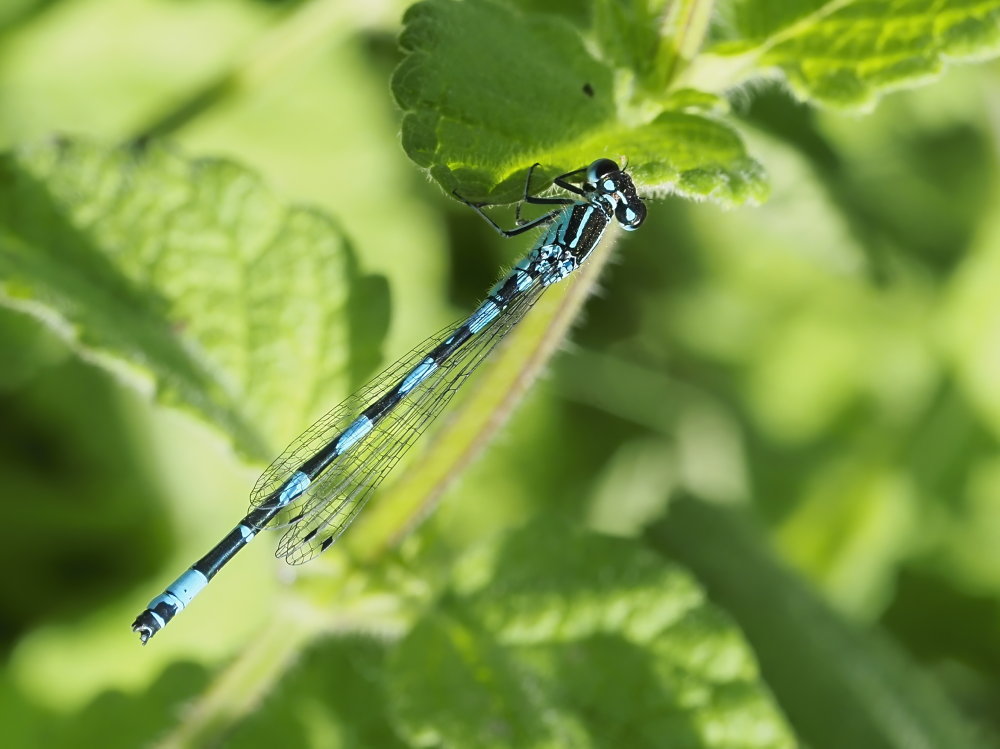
x=581 y=225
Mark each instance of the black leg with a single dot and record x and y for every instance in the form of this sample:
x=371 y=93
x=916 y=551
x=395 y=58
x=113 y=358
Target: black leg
x=478 y=208
x=534 y=200
x=561 y=182
x=523 y=226
x=526 y=196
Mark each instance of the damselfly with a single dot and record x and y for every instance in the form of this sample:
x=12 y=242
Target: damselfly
x=322 y=480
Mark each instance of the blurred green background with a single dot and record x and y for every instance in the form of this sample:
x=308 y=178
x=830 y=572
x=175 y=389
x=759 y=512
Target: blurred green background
x=830 y=361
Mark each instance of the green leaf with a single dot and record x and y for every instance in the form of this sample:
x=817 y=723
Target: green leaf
x=188 y=277
x=847 y=53
x=556 y=638
x=972 y=324
x=333 y=696
x=480 y=131
x=140 y=57
x=870 y=694
x=653 y=40
x=26 y=348
x=753 y=22
x=627 y=33
x=137 y=715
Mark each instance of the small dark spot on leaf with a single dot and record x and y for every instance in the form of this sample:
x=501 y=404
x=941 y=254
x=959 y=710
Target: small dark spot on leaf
x=588 y=90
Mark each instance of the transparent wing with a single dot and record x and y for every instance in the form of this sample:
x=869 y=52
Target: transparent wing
x=336 y=497
x=331 y=425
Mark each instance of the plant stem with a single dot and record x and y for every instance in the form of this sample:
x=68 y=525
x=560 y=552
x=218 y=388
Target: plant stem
x=683 y=31
x=241 y=686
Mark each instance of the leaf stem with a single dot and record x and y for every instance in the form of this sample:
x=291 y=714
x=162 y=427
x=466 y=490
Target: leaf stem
x=683 y=31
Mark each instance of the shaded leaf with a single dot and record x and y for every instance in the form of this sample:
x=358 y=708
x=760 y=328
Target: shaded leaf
x=26 y=348
x=839 y=686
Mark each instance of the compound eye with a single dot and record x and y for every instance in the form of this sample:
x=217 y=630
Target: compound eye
x=631 y=214
x=600 y=171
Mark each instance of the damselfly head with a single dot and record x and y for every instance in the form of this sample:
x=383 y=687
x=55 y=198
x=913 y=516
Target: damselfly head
x=608 y=179
x=602 y=174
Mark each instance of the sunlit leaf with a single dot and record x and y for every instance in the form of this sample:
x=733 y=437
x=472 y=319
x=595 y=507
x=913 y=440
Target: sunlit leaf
x=481 y=131
x=847 y=53
x=555 y=638
x=189 y=277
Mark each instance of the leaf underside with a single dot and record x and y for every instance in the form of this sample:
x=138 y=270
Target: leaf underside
x=479 y=132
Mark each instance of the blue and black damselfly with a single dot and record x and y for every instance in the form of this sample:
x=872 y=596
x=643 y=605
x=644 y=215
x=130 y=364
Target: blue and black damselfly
x=319 y=484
